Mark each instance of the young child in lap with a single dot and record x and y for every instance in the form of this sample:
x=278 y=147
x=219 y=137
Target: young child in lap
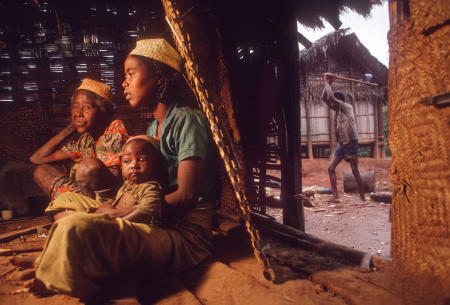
x=139 y=198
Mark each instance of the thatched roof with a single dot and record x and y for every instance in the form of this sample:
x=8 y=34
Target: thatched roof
x=339 y=41
x=310 y=12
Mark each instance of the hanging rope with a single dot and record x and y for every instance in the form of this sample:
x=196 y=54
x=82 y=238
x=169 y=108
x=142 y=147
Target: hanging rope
x=225 y=150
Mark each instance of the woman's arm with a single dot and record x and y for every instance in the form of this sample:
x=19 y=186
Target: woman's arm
x=190 y=172
x=48 y=152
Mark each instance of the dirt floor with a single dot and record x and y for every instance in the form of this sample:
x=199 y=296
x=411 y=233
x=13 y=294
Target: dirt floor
x=232 y=275
x=363 y=227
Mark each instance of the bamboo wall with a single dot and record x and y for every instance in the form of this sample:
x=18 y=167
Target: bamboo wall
x=42 y=62
x=420 y=141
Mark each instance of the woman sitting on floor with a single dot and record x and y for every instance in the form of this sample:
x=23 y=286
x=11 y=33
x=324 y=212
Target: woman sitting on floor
x=97 y=248
x=92 y=140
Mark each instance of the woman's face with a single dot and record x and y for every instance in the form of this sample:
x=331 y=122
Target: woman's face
x=139 y=84
x=84 y=112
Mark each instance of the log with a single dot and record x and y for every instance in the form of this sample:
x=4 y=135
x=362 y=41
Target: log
x=368 y=179
x=385 y=197
x=311 y=243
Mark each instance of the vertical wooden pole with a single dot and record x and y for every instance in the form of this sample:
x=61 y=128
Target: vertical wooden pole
x=381 y=129
x=292 y=169
x=331 y=122
x=376 y=150
x=352 y=84
x=308 y=127
x=331 y=131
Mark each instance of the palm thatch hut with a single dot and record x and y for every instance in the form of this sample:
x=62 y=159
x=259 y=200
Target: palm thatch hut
x=344 y=55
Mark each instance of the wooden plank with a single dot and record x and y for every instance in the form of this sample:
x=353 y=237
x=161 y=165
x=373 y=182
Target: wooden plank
x=16 y=234
x=346 y=284
x=7 y=252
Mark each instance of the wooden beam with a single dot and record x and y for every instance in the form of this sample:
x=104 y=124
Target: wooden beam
x=304 y=41
x=5 y=237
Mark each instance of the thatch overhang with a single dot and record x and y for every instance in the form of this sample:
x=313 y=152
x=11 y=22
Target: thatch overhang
x=338 y=41
x=310 y=13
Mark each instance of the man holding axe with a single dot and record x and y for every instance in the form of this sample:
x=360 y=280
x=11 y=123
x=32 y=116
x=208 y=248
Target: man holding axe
x=346 y=134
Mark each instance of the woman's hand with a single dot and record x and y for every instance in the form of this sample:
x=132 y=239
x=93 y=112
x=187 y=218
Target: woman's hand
x=105 y=208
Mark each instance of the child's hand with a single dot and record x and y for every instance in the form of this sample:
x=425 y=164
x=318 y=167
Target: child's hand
x=91 y=210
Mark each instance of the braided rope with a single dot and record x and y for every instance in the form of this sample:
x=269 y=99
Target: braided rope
x=198 y=86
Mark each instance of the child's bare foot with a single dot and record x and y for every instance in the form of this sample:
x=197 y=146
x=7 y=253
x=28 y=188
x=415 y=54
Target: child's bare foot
x=25 y=262
x=37 y=288
x=22 y=275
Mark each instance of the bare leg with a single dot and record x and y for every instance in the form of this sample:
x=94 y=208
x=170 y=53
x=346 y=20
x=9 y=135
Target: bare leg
x=354 y=164
x=92 y=175
x=332 y=173
x=44 y=175
x=23 y=261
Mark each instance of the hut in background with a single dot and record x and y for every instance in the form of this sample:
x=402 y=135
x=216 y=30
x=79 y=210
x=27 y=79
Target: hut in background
x=344 y=55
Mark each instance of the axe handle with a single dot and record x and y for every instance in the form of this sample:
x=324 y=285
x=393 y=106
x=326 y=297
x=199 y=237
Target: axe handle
x=356 y=80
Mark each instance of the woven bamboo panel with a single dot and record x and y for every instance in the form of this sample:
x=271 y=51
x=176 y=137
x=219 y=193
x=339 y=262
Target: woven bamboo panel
x=420 y=141
x=430 y=13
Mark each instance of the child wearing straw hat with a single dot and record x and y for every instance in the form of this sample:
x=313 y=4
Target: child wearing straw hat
x=92 y=141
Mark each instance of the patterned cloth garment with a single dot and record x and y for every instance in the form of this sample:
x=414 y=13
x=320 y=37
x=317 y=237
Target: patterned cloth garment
x=107 y=148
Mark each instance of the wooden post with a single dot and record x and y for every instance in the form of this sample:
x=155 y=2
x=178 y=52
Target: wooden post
x=331 y=122
x=331 y=131
x=381 y=130
x=308 y=128
x=376 y=150
x=292 y=179
x=354 y=95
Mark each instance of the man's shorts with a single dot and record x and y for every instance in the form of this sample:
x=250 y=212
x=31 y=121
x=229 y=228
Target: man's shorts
x=348 y=151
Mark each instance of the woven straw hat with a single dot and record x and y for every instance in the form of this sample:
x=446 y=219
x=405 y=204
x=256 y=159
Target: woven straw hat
x=144 y=137
x=160 y=50
x=99 y=88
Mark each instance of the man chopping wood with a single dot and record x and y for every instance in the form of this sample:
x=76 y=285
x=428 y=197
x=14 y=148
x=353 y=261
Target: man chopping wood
x=346 y=134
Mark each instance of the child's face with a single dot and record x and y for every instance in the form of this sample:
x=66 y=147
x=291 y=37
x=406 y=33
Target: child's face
x=137 y=163
x=84 y=112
